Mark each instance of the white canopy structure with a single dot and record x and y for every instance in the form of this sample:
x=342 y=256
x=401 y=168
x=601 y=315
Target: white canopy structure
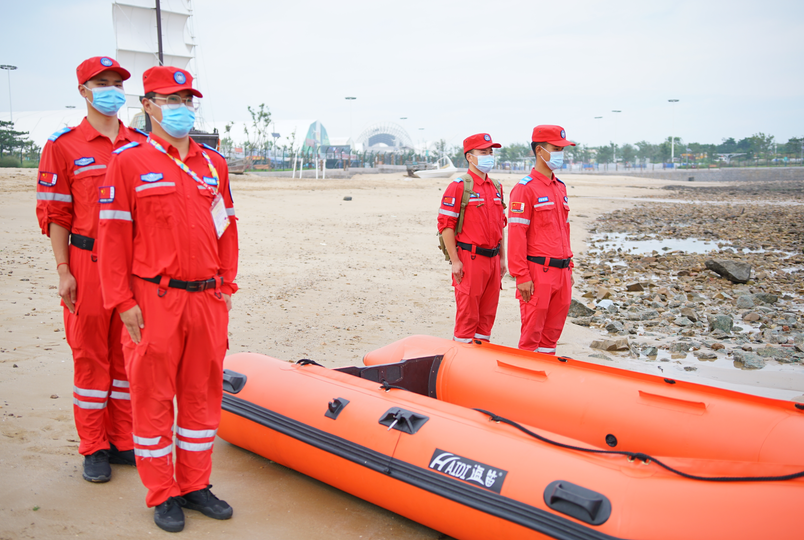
x=135 y=28
x=42 y=124
x=292 y=134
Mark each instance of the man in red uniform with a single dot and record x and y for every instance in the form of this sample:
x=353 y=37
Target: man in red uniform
x=539 y=253
x=168 y=234
x=72 y=168
x=476 y=253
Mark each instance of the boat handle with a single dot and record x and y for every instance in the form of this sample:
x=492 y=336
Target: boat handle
x=403 y=420
x=578 y=502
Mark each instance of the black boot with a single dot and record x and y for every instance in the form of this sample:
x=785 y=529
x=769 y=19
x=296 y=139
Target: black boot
x=169 y=516
x=208 y=504
x=96 y=467
x=121 y=457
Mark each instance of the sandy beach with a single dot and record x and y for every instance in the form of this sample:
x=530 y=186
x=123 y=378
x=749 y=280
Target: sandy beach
x=320 y=277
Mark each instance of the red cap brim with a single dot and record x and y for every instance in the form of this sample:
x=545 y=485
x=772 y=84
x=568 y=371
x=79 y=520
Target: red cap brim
x=176 y=89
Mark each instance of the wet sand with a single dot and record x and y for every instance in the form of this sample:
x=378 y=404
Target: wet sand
x=321 y=278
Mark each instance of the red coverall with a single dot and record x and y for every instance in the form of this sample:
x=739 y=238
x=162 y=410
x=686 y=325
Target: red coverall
x=539 y=227
x=72 y=168
x=156 y=222
x=478 y=293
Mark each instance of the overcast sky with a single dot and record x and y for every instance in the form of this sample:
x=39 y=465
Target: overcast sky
x=457 y=68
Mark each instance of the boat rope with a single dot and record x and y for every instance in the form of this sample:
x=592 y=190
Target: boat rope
x=642 y=457
x=387 y=386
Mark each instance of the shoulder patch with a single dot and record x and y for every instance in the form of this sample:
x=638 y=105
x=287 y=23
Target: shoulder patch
x=47 y=178
x=557 y=179
x=59 y=133
x=525 y=180
x=105 y=194
x=208 y=147
x=125 y=147
x=517 y=207
x=141 y=132
x=458 y=180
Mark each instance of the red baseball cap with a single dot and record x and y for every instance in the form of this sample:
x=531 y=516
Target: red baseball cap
x=168 y=80
x=479 y=141
x=98 y=64
x=551 y=134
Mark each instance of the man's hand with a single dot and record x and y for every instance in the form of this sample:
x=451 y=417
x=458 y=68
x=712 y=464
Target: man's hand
x=503 y=268
x=572 y=279
x=526 y=290
x=228 y=299
x=68 y=288
x=133 y=321
x=457 y=271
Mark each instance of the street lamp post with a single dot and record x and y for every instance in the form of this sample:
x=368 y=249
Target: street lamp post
x=9 y=69
x=350 y=99
x=614 y=148
x=598 y=134
x=673 y=132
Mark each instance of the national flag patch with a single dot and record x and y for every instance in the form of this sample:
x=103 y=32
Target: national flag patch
x=47 y=178
x=448 y=201
x=106 y=194
x=544 y=199
x=84 y=161
x=517 y=207
x=151 y=177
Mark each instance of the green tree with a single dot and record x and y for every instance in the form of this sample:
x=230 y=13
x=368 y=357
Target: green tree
x=11 y=140
x=605 y=154
x=257 y=139
x=628 y=153
x=761 y=144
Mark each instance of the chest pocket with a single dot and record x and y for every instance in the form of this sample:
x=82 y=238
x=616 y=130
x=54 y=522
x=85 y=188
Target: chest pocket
x=156 y=203
x=86 y=183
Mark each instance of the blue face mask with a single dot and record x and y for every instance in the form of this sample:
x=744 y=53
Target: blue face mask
x=107 y=100
x=484 y=163
x=176 y=122
x=556 y=160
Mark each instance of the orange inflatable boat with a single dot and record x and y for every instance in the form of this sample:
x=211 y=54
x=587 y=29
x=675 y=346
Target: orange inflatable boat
x=384 y=434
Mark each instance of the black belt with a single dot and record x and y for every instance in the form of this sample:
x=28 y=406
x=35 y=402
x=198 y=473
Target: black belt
x=479 y=250
x=189 y=286
x=555 y=263
x=82 y=242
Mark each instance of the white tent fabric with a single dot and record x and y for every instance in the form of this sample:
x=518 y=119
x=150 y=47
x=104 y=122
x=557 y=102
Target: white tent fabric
x=42 y=124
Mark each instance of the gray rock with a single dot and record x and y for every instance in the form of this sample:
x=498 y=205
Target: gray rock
x=697 y=298
x=682 y=321
x=705 y=355
x=620 y=344
x=736 y=272
x=689 y=313
x=642 y=315
x=650 y=351
x=724 y=323
x=748 y=360
x=719 y=334
x=615 y=326
x=680 y=347
x=635 y=287
x=777 y=353
x=582 y=321
x=578 y=310
x=766 y=298
x=745 y=301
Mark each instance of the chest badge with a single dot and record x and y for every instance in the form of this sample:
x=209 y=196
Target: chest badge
x=84 y=161
x=544 y=199
x=210 y=181
x=151 y=177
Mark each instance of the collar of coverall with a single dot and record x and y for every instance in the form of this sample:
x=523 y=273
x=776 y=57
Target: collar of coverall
x=90 y=133
x=476 y=178
x=536 y=175
x=194 y=148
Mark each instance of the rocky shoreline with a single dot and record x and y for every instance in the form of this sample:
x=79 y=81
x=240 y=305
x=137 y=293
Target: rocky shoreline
x=738 y=299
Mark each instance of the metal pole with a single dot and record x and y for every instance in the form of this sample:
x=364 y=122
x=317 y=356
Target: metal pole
x=9 y=69
x=614 y=148
x=159 y=32
x=673 y=131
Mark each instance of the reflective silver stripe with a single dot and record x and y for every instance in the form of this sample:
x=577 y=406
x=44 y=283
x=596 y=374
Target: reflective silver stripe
x=88 y=168
x=196 y=433
x=119 y=383
x=199 y=186
x=90 y=393
x=497 y=200
x=154 y=185
x=523 y=221
x=120 y=395
x=230 y=212
x=546 y=349
x=543 y=204
x=160 y=452
x=144 y=441
x=193 y=447
x=448 y=213
x=481 y=336
x=115 y=214
x=476 y=200
x=89 y=404
x=54 y=197
x=462 y=340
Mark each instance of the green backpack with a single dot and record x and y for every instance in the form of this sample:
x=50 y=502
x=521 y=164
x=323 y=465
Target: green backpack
x=468 y=185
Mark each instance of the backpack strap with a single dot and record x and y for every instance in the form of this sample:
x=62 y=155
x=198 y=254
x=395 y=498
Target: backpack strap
x=468 y=185
x=498 y=187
